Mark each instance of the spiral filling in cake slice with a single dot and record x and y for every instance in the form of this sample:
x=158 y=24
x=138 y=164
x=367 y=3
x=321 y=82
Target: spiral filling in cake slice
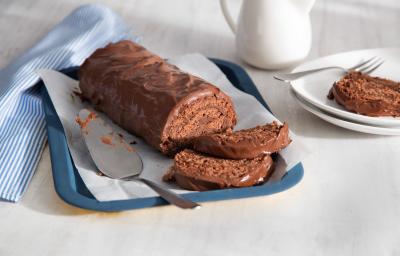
x=366 y=95
x=247 y=143
x=195 y=171
x=208 y=114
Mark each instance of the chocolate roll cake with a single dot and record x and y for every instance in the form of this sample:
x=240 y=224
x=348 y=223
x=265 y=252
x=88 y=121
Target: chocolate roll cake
x=194 y=171
x=152 y=99
x=247 y=143
x=366 y=95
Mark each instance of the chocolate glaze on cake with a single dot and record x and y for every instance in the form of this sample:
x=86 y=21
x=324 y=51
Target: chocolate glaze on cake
x=155 y=100
x=366 y=95
x=247 y=143
x=195 y=171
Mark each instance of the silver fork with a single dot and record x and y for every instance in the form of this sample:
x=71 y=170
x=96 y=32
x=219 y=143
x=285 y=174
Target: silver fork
x=366 y=67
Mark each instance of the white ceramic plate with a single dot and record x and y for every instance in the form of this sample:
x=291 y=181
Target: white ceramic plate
x=314 y=88
x=347 y=124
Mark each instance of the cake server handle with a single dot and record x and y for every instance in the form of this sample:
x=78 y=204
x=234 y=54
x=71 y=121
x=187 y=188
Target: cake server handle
x=170 y=196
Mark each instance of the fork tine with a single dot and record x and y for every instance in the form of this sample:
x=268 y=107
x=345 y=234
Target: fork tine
x=362 y=63
x=369 y=66
x=372 y=69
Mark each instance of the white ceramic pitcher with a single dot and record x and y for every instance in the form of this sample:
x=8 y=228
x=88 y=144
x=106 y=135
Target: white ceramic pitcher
x=272 y=34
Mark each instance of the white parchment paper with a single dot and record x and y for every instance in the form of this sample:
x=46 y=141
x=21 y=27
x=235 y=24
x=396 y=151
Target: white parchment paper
x=60 y=88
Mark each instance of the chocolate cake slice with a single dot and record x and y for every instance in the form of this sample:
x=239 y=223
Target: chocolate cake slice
x=195 y=171
x=366 y=95
x=153 y=99
x=247 y=143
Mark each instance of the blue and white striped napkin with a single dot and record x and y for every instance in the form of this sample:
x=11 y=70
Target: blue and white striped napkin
x=22 y=123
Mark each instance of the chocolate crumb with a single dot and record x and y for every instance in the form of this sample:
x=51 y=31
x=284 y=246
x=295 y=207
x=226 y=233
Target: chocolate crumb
x=107 y=139
x=83 y=123
x=133 y=142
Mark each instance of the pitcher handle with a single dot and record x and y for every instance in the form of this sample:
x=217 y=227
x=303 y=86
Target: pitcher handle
x=227 y=15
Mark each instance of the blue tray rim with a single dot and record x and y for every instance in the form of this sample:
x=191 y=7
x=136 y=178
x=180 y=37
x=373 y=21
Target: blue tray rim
x=65 y=182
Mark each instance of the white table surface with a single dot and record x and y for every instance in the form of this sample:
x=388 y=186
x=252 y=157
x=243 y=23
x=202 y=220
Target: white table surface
x=347 y=204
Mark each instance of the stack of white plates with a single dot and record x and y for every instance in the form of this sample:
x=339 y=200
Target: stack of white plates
x=311 y=91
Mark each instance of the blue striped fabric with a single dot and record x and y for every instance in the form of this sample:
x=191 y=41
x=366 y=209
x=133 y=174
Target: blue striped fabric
x=22 y=124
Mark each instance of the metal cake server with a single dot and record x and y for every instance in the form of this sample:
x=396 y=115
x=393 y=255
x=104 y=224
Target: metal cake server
x=117 y=159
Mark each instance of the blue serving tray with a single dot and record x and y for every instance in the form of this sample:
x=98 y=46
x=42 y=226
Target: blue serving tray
x=71 y=189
